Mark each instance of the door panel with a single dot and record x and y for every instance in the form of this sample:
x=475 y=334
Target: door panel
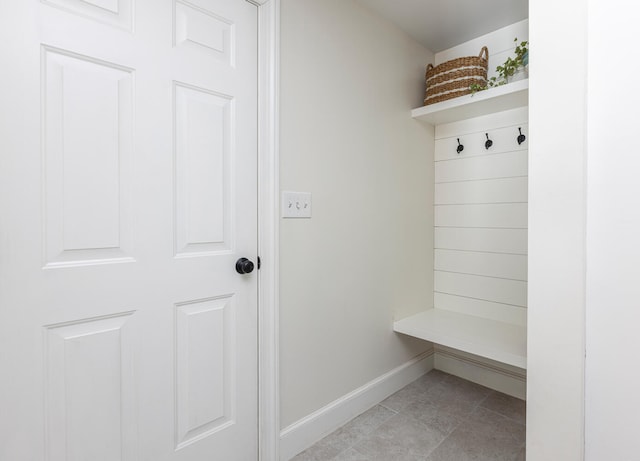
x=204 y=124
x=117 y=13
x=205 y=368
x=89 y=371
x=127 y=193
x=87 y=133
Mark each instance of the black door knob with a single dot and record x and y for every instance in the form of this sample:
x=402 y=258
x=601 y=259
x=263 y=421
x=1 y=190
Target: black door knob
x=244 y=266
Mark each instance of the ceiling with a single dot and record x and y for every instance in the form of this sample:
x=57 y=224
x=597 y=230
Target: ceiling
x=441 y=24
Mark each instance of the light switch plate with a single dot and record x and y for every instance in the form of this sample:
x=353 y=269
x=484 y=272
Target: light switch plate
x=296 y=204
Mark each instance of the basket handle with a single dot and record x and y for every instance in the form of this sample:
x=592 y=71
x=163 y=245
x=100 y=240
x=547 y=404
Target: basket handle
x=484 y=51
x=429 y=67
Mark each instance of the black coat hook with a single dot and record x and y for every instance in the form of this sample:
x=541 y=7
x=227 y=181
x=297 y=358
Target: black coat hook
x=488 y=143
x=521 y=137
x=460 y=147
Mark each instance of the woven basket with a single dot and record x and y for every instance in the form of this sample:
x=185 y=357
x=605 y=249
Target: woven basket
x=453 y=78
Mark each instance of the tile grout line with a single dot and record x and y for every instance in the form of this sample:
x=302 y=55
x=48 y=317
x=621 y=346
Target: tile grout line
x=390 y=409
x=373 y=429
x=462 y=421
x=504 y=416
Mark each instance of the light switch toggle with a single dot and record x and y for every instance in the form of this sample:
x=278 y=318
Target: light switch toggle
x=296 y=204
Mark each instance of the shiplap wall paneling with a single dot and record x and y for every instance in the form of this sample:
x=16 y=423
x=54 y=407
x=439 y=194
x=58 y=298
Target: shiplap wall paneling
x=498 y=265
x=509 y=118
x=494 y=215
x=511 y=241
x=487 y=166
x=493 y=289
x=501 y=190
x=480 y=207
x=481 y=308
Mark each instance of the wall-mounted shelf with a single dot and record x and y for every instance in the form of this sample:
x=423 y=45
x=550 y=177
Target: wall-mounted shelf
x=497 y=99
x=503 y=342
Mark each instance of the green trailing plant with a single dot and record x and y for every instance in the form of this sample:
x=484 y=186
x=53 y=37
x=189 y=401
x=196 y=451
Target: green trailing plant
x=507 y=69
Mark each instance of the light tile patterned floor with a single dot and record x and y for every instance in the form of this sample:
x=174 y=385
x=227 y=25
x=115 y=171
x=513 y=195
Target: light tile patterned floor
x=438 y=417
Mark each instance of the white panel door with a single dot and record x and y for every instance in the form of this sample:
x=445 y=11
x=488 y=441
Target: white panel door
x=128 y=152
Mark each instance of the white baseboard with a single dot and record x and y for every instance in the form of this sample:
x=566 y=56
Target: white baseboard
x=303 y=433
x=495 y=375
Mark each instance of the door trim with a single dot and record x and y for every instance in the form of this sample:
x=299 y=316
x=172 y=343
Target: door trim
x=268 y=229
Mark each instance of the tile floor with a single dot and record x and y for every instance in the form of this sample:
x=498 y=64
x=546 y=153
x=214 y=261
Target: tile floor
x=438 y=417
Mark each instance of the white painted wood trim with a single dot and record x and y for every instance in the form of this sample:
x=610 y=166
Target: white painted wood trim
x=498 y=99
x=268 y=229
x=558 y=250
x=499 y=341
x=303 y=433
x=498 y=376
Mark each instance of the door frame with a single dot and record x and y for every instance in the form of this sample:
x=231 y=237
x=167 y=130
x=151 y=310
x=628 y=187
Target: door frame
x=268 y=229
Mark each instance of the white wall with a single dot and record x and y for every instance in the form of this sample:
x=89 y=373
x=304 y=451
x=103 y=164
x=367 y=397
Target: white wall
x=557 y=204
x=348 y=82
x=613 y=227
